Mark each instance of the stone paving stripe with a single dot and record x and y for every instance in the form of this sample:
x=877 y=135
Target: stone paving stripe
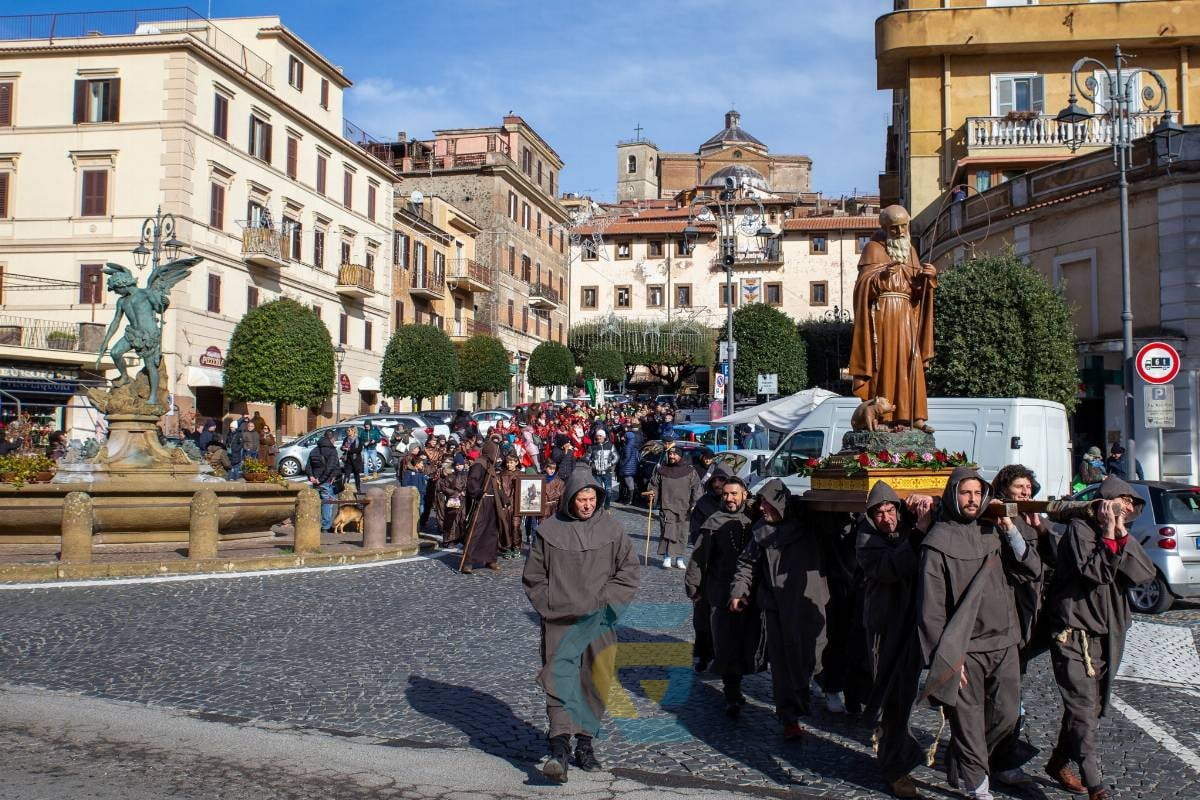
x=209 y=576
x=1163 y=655
x=1166 y=740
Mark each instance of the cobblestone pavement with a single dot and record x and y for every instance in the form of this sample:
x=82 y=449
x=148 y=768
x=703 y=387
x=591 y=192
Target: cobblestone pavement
x=416 y=654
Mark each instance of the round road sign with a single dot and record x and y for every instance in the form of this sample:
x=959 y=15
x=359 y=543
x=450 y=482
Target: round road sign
x=1157 y=363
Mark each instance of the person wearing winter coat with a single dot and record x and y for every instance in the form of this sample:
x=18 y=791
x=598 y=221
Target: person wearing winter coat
x=675 y=489
x=452 y=500
x=628 y=468
x=603 y=456
x=1098 y=561
x=780 y=572
x=736 y=635
x=236 y=450
x=352 y=458
x=582 y=572
x=324 y=466
x=563 y=455
x=250 y=438
x=968 y=625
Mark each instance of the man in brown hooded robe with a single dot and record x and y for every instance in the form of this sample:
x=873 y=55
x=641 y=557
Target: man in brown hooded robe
x=707 y=505
x=1098 y=561
x=968 y=624
x=893 y=321
x=676 y=488
x=483 y=529
x=889 y=540
x=581 y=574
x=781 y=565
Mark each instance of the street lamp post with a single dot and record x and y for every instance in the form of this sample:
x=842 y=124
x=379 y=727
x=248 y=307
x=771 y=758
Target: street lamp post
x=159 y=233
x=725 y=207
x=1111 y=90
x=339 y=355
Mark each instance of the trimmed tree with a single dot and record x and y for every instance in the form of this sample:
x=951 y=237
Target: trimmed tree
x=827 y=350
x=280 y=353
x=551 y=364
x=419 y=362
x=483 y=366
x=671 y=352
x=604 y=363
x=767 y=342
x=1001 y=330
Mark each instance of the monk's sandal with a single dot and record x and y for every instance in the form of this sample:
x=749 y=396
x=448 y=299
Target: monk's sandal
x=556 y=765
x=585 y=756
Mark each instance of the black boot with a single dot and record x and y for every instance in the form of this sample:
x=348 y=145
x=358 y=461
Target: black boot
x=733 y=695
x=555 y=767
x=585 y=756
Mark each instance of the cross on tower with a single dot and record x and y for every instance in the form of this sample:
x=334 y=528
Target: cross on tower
x=638 y=130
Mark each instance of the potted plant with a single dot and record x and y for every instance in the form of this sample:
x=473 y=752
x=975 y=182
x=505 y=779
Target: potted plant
x=61 y=340
x=254 y=471
x=22 y=468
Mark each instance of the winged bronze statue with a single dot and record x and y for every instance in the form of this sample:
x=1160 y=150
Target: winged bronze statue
x=142 y=308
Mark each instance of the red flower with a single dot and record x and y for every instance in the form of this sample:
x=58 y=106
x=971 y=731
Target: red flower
x=812 y=463
x=940 y=457
x=884 y=455
x=863 y=459
x=910 y=456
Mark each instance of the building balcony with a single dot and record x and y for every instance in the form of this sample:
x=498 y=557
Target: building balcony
x=355 y=280
x=265 y=247
x=543 y=297
x=468 y=275
x=427 y=283
x=1022 y=133
x=750 y=259
x=64 y=342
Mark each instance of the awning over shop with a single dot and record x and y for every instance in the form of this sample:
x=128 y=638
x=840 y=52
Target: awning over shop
x=368 y=384
x=205 y=377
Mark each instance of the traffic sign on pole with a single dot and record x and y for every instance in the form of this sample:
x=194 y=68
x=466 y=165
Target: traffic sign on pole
x=719 y=387
x=1158 y=407
x=1157 y=363
x=726 y=352
x=768 y=383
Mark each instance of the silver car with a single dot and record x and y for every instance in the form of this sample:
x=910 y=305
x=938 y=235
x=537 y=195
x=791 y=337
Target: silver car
x=486 y=419
x=1169 y=530
x=293 y=458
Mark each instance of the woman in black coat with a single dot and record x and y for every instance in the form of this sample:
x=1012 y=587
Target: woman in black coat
x=352 y=458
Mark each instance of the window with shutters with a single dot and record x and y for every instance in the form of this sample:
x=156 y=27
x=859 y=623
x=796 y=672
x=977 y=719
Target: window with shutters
x=260 y=139
x=512 y=260
x=214 y=294
x=251 y=297
x=221 y=116
x=97 y=100
x=345 y=252
x=538 y=229
x=325 y=93
x=512 y=206
x=296 y=73
x=6 y=104
x=90 y=289
x=399 y=314
x=526 y=269
x=295 y=234
x=343 y=329
x=293 y=157
x=319 y=248
x=370 y=259
x=216 y=206
x=510 y=313
x=317 y=310
x=256 y=214
x=402 y=251
x=347 y=189
x=525 y=319
x=321 y=164
x=371 y=201
x=526 y=217
x=1022 y=91
x=367 y=335
x=6 y=181
x=94 y=200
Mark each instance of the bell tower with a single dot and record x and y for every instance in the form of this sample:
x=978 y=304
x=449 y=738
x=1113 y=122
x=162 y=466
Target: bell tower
x=637 y=168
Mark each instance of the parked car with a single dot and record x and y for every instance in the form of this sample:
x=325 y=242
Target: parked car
x=292 y=460
x=1169 y=531
x=714 y=438
x=484 y=420
x=421 y=427
x=666 y=399
x=745 y=464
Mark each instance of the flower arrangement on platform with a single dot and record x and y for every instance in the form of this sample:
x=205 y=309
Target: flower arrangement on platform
x=884 y=459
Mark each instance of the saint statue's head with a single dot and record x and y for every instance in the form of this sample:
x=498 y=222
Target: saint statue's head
x=894 y=220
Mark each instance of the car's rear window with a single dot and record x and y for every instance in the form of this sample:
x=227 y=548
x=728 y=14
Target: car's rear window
x=1181 y=508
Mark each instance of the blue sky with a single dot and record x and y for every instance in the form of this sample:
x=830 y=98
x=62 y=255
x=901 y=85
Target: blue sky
x=802 y=73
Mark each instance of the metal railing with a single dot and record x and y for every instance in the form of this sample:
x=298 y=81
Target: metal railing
x=135 y=22
x=470 y=269
x=266 y=242
x=356 y=275
x=543 y=290
x=44 y=334
x=1046 y=131
x=427 y=278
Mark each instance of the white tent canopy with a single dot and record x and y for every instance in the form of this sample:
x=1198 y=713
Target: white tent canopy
x=782 y=414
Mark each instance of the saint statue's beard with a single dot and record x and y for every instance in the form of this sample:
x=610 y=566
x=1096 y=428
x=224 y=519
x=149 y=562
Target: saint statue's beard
x=897 y=249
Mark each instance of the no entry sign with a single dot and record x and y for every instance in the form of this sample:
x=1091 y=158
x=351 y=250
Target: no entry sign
x=1158 y=363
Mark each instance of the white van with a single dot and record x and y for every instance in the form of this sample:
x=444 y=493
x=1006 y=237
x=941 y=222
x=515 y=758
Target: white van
x=991 y=431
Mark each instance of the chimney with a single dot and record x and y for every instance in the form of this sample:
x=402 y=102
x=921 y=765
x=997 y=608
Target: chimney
x=732 y=119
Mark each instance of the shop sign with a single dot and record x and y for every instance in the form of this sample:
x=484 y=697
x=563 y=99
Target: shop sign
x=37 y=386
x=212 y=358
x=37 y=371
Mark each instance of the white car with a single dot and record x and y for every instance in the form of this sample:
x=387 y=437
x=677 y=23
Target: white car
x=486 y=419
x=742 y=463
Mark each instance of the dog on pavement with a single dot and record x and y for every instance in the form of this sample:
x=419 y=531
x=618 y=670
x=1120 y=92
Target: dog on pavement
x=347 y=515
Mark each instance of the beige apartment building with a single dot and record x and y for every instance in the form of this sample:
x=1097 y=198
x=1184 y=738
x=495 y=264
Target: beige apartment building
x=234 y=127
x=976 y=85
x=506 y=179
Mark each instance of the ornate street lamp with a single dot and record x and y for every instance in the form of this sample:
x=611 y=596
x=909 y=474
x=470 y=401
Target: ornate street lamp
x=1112 y=91
x=154 y=230
x=339 y=357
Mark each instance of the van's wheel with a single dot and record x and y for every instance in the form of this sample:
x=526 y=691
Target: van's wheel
x=1151 y=597
x=289 y=468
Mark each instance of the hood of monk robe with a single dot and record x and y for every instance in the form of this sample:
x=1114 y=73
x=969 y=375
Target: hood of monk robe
x=679 y=470
x=882 y=493
x=720 y=470
x=791 y=513
x=490 y=454
x=1113 y=487
x=955 y=533
x=776 y=495
x=565 y=531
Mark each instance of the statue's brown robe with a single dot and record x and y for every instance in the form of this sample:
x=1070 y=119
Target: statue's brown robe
x=893 y=330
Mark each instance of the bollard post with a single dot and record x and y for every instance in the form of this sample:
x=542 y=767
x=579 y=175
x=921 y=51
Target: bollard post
x=308 y=521
x=203 y=525
x=77 y=524
x=375 y=518
x=406 y=516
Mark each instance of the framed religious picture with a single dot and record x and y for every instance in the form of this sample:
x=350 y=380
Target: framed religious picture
x=531 y=496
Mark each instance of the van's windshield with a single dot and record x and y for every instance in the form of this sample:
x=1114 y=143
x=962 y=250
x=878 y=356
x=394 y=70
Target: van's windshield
x=799 y=447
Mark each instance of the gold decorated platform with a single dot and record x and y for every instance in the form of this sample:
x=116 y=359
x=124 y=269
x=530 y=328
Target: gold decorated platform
x=834 y=490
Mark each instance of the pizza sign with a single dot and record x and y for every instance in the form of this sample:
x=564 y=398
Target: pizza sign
x=212 y=358
x=1157 y=363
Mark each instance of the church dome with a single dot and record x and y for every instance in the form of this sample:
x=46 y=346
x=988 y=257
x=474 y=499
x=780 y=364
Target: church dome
x=733 y=134
x=743 y=174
